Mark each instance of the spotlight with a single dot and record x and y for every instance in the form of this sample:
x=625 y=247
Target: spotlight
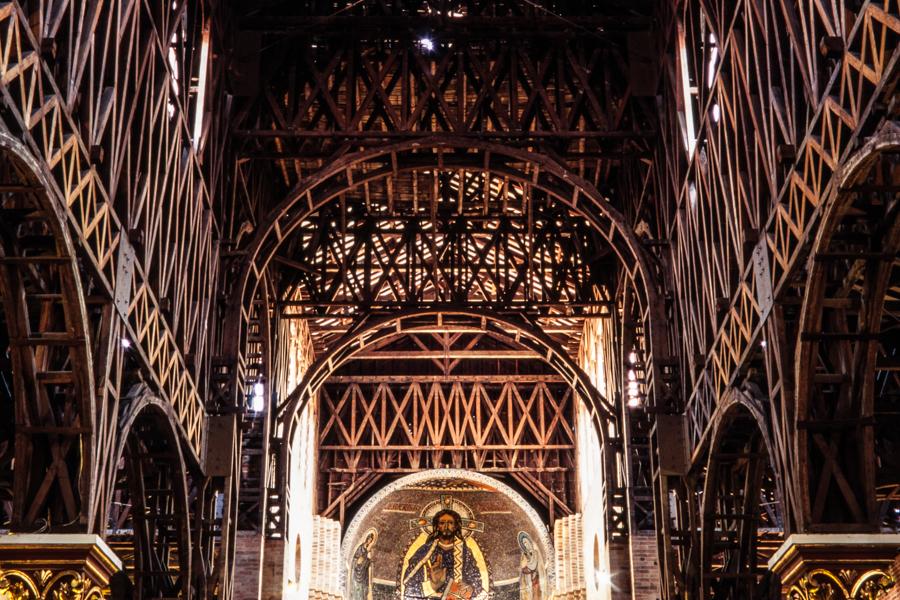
x=604 y=578
x=259 y=389
x=126 y=343
x=426 y=43
x=257 y=404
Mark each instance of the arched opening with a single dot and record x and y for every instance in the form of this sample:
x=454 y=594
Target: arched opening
x=742 y=518
x=847 y=387
x=148 y=522
x=46 y=377
x=505 y=544
x=395 y=431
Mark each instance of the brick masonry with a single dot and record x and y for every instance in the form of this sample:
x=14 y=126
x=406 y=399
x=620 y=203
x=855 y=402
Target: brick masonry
x=646 y=566
x=247 y=558
x=272 y=574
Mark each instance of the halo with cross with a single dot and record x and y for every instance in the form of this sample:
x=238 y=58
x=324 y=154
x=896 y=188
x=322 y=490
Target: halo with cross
x=469 y=524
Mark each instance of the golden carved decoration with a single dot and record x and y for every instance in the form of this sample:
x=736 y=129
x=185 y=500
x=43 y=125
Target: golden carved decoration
x=47 y=585
x=818 y=584
x=822 y=584
x=872 y=585
x=16 y=585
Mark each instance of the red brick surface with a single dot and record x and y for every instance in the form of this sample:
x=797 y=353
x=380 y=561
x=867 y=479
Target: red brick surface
x=247 y=557
x=272 y=574
x=646 y=569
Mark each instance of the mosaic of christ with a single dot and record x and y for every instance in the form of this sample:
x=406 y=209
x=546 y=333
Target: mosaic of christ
x=446 y=540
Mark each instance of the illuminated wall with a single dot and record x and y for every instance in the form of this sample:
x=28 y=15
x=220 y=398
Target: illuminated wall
x=300 y=503
x=595 y=555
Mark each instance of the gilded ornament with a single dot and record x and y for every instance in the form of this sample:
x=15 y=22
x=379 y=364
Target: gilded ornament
x=874 y=586
x=14 y=588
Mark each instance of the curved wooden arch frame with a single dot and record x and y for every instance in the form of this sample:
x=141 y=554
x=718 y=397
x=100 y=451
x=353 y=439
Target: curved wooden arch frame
x=368 y=333
x=439 y=153
x=146 y=402
x=531 y=337
x=727 y=413
x=323 y=186
x=75 y=311
x=855 y=169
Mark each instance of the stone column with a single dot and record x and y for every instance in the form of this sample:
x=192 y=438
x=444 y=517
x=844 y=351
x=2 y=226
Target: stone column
x=836 y=566
x=62 y=566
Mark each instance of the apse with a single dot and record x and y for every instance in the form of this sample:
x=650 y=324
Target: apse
x=506 y=548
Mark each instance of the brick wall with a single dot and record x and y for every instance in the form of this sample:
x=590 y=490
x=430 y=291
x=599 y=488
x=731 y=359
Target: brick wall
x=646 y=567
x=620 y=568
x=272 y=572
x=247 y=558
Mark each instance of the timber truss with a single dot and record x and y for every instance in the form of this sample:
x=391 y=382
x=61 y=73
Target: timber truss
x=411 y=70
x=781 y=131
x=484 y=244
x=413 y=169
x=463 y=400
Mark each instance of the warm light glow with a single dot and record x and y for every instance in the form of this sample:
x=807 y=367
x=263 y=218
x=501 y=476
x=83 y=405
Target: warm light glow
x=713 y=60
x=690 y=133
x=201 y=87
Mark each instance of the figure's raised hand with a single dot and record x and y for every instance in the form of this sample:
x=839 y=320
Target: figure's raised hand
x=437 y=572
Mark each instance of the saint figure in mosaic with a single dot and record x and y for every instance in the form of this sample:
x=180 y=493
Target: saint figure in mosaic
x=361 y=568
x=531 y=573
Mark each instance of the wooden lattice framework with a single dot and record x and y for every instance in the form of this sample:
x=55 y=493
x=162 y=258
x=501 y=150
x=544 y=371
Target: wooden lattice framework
x=109 y=268
x=471 y=176
x=770 y=106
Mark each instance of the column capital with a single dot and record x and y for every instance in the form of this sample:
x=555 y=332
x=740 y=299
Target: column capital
x=836 y=565
x=61 y=565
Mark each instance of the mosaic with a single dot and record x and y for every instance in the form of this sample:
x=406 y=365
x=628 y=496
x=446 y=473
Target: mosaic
x=448 y=539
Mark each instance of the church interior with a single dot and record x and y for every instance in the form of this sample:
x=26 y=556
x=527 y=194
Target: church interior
x=450 y=299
